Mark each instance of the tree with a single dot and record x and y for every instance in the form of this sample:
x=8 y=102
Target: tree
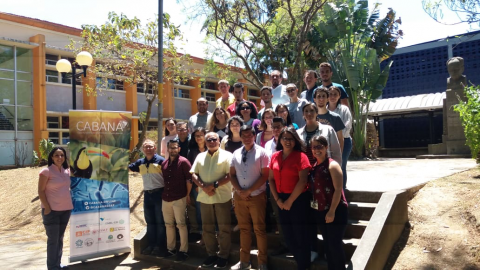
x=355 y=42
x=126 y=50
x=467 y=11
x=470 y=115
x=263 y=34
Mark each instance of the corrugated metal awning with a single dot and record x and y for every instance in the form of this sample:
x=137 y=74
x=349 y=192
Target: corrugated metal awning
x=408 y=104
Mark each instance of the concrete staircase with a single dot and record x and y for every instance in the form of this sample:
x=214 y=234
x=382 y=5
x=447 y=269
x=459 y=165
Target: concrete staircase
x=361 y=208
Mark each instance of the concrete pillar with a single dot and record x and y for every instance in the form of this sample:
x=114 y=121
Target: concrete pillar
x=131 y=104
x=195 y=93
x=89 y=92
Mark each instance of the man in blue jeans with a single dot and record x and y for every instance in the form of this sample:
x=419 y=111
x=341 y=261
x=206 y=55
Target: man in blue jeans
x=153 y=184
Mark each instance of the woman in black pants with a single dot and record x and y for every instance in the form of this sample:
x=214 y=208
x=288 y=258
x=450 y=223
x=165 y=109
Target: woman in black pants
x=329 y=202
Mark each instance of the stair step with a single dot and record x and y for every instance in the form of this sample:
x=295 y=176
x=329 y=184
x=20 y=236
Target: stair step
x=361 y=210
x=363 y=196
x=355 y=228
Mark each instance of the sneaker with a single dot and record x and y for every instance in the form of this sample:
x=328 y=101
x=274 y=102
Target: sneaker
x=262 y=267
x=147 y=251
x=221 y=263
x=181 y=257
x=171 y=253
x=210 y=261
x=313 y=256
x=241 y=266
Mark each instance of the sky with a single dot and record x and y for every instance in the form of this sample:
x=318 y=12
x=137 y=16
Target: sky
x=417 y=26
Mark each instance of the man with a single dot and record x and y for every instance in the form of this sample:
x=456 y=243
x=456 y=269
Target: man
x=326 y=74
x=248 y=174
x=201 y=117
x=176 y=173
x=295 y=105
x=279 y=90
x=266 y=96
x=210 y=172
x=183 y=138
x=226 y=99
x=327 y=117
x=238 y=93
x=153 y=184
x=270 y=147
x=310 y=79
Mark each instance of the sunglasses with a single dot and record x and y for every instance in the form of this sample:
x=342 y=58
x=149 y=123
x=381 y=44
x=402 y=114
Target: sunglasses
x=212 y=140
x=318 y=147
x=290 y=90
x=244 y=108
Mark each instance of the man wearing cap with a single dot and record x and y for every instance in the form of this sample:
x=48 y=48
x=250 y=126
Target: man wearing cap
x=226 y=99
x=295 y=106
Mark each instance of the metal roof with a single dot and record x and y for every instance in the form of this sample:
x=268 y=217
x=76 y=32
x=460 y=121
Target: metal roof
x=408 y=104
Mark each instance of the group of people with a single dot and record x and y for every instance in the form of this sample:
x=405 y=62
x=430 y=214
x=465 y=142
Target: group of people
x=289 y=157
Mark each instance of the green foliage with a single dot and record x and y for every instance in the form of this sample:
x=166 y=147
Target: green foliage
x=217 y=70
x=470 y=115
x=44 y=147
x=355 y=41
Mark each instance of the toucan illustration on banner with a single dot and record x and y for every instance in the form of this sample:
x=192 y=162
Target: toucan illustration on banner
x=82 y=166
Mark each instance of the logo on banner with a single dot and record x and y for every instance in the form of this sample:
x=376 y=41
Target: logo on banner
x=79 y=243
x=121 y=221
x=120 y=236
x=81 y=226
x=112 y=229
x=89 y=242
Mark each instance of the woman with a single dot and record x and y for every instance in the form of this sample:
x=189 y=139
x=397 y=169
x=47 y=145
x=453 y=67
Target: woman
x=218 y=123
x=195 y=146
x=335 y=105
x=266 y=127
x=56 y=201
x=314 y=128
x=331 y=207
x=282 y=111
x=289 y=169
x=232 y=141
x=170 y=134
x=248 y=113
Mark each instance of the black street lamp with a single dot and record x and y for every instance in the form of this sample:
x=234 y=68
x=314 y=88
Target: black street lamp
x=84 y=59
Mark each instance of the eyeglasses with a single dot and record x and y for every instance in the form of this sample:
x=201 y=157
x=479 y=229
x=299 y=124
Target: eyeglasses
x=318 y=147
x=148 y=146
x=244 y=108
x=181 y=129
x=277 y=127
x=287 y=139
x=281 y=111
x=212 y=140
x=290 y=90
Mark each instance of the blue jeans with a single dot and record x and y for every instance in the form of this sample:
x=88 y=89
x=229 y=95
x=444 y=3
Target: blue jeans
x=156 y=232
x=193 y=212
x=55 y=224
x=347 y=148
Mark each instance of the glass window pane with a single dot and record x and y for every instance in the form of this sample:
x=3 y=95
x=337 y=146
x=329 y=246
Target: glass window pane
x=24 y=60
x=52 y=76
x=24 y=93
x=7 y=117
x=25 y=118
x=7 y=92
x=6 y=57
x=24 y=76
x=7 y=74
x=65 y=137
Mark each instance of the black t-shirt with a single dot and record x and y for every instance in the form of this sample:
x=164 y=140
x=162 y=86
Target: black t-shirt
x=232 y=146
x=184 y=147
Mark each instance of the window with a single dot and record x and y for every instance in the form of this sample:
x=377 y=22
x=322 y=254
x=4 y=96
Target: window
x=51 y=59
x=181 y=93
x=141 y=88
x=52 y=76
x=209 y=96
x=110 y=84
x=54 y=123
x=209 y=85
x=253 y=92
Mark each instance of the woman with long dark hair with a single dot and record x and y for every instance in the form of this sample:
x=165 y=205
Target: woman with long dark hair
x=329 y=200
x=289 y=168
x=248 y=113
x=266 y=126
x=56 y=202
x=170 y=134
x=218 y=122
x=232 y=141
x=282 y=111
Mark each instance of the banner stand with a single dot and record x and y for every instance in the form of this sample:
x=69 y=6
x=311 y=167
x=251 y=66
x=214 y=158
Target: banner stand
x=84 y=258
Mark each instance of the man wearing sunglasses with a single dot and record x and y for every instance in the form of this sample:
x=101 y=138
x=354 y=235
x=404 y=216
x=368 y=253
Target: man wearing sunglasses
x=295 y=105
x=248 y=174
x=210 y=172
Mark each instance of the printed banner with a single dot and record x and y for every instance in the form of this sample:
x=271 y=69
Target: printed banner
x=100 y=221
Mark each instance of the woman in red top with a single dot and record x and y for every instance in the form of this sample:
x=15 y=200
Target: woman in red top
x=54 y=194
x=289 y=169
x=329 y=201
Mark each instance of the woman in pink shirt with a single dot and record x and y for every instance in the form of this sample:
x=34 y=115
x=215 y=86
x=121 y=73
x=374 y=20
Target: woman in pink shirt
x=54 y=194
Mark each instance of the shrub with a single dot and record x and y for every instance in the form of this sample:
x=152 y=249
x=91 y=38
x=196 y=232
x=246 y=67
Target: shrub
x=470 y=115
x=41 y=158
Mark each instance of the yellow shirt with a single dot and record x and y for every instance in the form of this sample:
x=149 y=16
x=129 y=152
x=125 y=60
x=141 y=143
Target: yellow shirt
x=213 y=168
x=226 y=103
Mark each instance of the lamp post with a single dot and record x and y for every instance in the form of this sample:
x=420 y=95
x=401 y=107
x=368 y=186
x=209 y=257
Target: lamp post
x=84 y=59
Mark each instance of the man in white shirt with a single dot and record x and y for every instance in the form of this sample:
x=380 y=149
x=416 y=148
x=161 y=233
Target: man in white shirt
x=201 y=117
x=248 y=175
x=279 y=91
x=295 y=105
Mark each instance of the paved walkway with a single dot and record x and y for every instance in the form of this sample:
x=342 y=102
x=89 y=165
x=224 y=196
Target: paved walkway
x=381 y=175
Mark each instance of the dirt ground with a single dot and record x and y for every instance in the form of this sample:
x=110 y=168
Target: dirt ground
x=444 y=231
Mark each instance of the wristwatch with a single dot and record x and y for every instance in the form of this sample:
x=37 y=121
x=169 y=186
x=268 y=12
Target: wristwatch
x=215 y=184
